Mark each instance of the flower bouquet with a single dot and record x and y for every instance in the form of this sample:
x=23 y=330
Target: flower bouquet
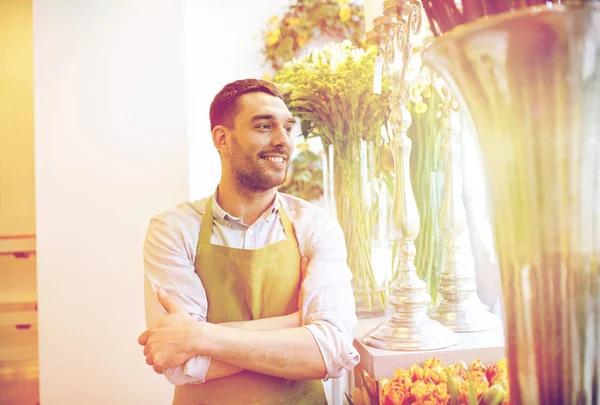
x=331 y=91
x=427 y=178
x=435 y=383
x=308 y=19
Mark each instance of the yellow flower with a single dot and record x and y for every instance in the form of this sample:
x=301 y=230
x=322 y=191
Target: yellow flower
x=273 y=36
x=302 y=39
x=345 y=14
x=426 y=92
x=304 y=146
x=420 y=107
x=274 y=20
x=357 y=396
x=267 y=76
x=292 y=21
x=366 y=398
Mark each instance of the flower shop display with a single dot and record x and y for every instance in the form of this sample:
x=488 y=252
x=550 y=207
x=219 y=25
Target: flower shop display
x=409 y=328
x=307 y=19
x=435 y=383
x=426 y=170
x=529 y=77
x=330 y=90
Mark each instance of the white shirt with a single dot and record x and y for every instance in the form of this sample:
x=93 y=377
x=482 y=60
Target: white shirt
x=327 y=301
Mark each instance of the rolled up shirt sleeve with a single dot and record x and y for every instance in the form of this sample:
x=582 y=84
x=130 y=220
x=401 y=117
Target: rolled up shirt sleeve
x=168 y=263
x=327 y=301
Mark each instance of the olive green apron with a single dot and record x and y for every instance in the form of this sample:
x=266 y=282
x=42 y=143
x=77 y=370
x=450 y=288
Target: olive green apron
x=243 y=285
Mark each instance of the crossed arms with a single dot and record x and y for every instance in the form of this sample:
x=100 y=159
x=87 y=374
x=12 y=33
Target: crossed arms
x=290 y=353
x=315 y=342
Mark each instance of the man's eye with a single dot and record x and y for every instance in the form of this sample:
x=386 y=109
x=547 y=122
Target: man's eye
x=264 y=126
x=288 y=129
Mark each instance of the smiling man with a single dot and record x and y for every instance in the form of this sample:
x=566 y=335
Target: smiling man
x=248 y=294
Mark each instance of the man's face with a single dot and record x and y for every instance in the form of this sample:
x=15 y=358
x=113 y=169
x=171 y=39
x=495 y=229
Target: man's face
x=261 y=142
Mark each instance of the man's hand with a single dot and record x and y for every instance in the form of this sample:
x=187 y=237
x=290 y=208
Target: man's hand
x=170 y=343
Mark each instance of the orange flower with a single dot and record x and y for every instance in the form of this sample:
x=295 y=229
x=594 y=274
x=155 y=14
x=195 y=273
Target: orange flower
x=432 y=363
x=427 y=393
x=495 y=374
x=390 y=393
x=416 y=372
x=428 y=385
x=431 y=376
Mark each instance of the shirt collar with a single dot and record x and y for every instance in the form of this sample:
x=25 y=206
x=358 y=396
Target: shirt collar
x=224 y=217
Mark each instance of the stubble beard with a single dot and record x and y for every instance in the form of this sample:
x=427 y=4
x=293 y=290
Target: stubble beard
x=250 y=176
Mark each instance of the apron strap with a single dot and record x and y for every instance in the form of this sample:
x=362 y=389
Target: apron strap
x=285 y=221
x=207 y=223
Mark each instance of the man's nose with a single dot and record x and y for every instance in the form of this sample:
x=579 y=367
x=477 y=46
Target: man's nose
x=280 y=137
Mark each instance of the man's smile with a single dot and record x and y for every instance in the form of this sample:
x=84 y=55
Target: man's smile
x=276 y=159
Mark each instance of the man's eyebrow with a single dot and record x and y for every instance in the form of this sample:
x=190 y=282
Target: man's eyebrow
x=262 y=117
x=269 y=117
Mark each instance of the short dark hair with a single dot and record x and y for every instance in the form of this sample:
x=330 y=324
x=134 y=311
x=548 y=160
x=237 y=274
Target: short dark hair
x=224 y=105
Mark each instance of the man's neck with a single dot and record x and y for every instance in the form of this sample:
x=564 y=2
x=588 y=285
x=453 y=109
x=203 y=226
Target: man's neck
x=249 y=206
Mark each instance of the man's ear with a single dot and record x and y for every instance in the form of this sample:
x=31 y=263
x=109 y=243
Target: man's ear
x=220 y=137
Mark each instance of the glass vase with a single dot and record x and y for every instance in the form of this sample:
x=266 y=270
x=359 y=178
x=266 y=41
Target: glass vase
x=530 y=81
x=356 y=193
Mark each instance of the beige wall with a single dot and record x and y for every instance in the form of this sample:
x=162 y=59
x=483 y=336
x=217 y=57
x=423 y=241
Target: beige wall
x=17 y=190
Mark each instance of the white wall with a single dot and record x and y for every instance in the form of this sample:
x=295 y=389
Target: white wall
x=111 y=150
x=122 y=93
x=223 y=44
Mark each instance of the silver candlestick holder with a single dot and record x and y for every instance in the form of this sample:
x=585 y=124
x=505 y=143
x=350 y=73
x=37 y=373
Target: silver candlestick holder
x=409 y=327
x=461 y=309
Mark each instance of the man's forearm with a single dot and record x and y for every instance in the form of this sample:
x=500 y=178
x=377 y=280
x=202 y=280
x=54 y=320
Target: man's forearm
x=288 y=353
x=220 y=369
x=276 y=322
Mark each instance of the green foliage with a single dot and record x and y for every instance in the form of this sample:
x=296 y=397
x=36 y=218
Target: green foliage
x=427 y=178
x=305 y=178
